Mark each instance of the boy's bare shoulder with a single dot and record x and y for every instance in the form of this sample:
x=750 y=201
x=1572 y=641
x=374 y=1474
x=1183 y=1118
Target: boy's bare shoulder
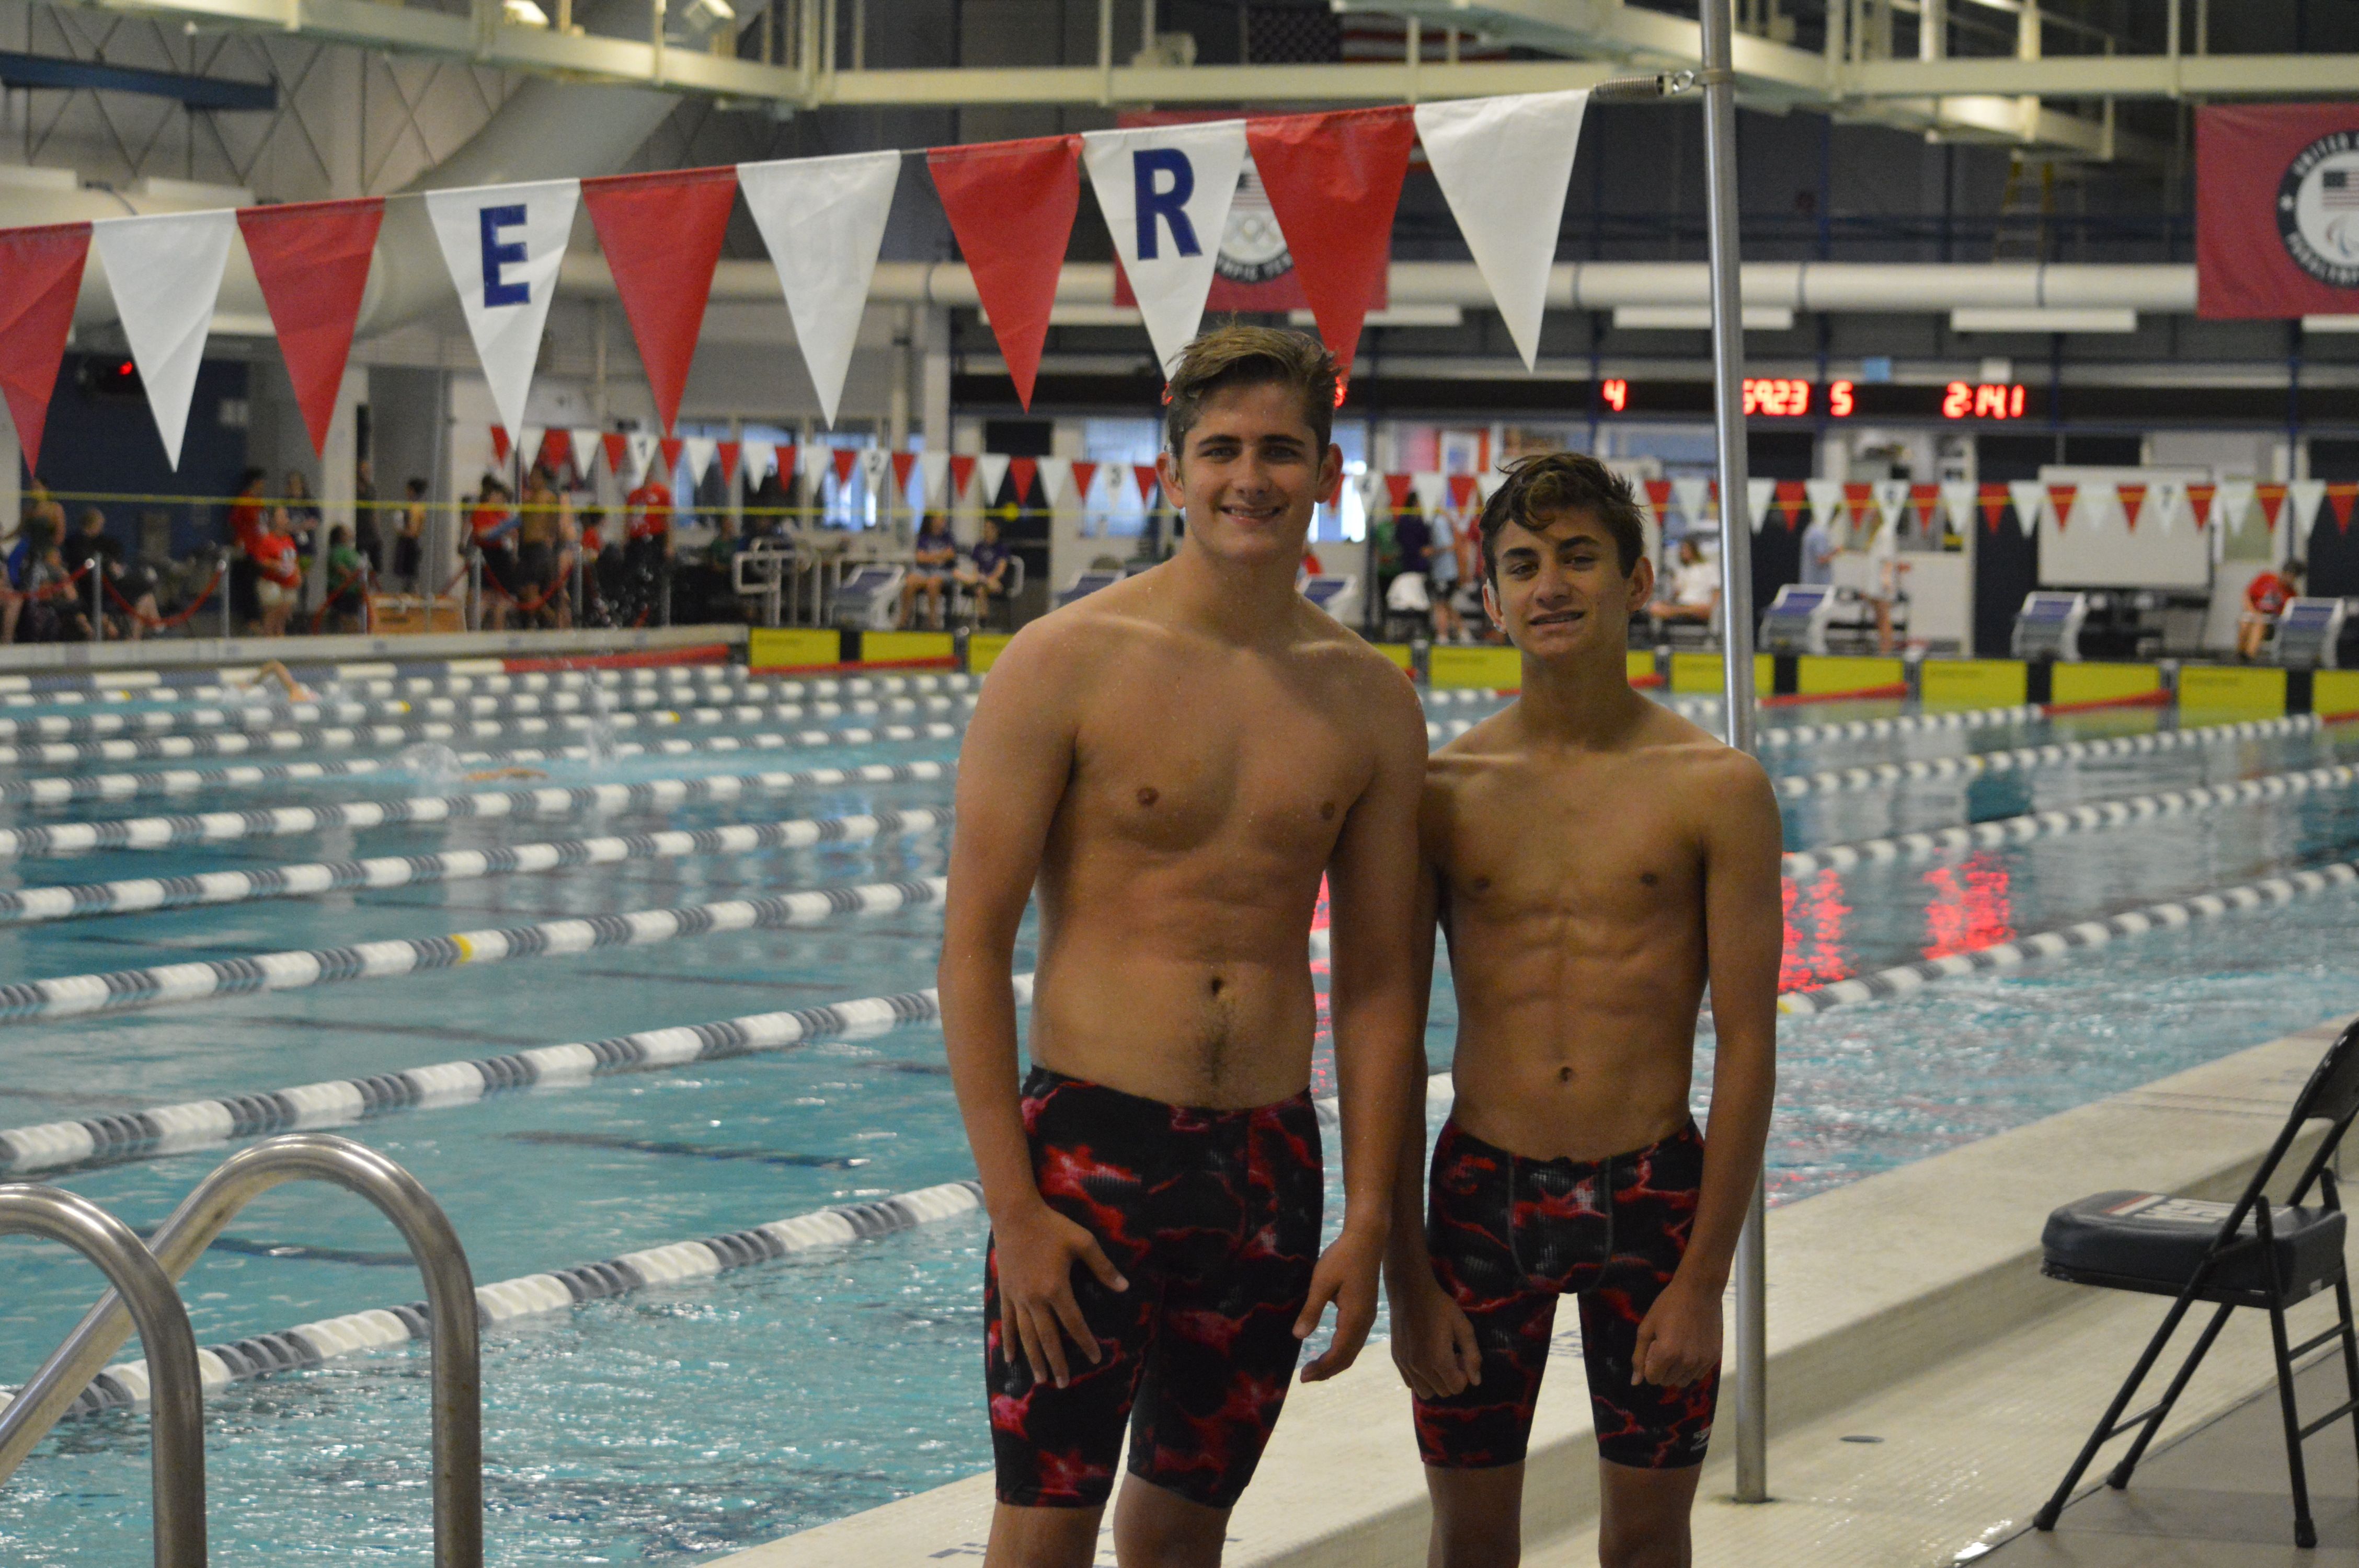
x=1072 y=642
x=1700 y=767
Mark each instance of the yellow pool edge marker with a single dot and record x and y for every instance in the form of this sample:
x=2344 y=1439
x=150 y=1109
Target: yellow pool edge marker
x=1974 y=683
x=2069 y=682
x=792 y=647
x=1699 y=674
x=2245 y=691
x=1831 y=675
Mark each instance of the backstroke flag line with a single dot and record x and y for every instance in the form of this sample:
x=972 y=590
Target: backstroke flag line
x=1504 y=164
x=40 y=278
x=1333 y=182
x=312 y=261
x=1165 y=191
x=166 y=271
x=662 y=235
x=503 y=244
x=823 y=222
x=1011 y=206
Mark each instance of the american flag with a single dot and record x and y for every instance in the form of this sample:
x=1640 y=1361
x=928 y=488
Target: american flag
x=2336 y=188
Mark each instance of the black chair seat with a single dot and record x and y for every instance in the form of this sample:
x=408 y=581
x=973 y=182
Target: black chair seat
x=2146 y=1241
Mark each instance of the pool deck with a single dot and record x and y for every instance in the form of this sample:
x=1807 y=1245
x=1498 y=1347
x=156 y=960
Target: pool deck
x=1906 y=1307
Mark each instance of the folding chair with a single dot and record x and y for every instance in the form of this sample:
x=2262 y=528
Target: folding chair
x=2251 y=1253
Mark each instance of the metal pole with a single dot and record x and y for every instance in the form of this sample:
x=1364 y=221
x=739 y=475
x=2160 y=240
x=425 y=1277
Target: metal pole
x=228 y=557
x=1752 y=1381
x=97 y=603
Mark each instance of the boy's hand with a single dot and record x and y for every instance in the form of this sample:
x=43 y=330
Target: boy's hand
x=1346 y=1275
x=1037 y=1251
x=1433 y=1343
x=1678 y=1341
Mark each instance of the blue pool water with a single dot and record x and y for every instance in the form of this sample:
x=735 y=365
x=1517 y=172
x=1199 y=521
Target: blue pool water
x=676 y=1423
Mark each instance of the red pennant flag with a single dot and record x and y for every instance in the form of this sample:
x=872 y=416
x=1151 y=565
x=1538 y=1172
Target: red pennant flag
x=2341 y=497
x=1793 y=500
x=671 y=446
x=1659 y=496
x=1082 y=473
x=1011 y=207
x=846 y=460
x=903 y=462
x=500 y=443
x=2272 y=500
x=2199 y=497
x=786 y=470
x=1023 y=472
x=1397 y=485
x=962 y=471
x=1461 y=490
x=618 y=451
x=41 y=278
x=663 y=233
x=2132 y=498
x=1994 y=501
x=1143 y=475
x=1922 y=500
x=730 y=452
x=555 y=451
x=1858 y=501
x=2060 y=496
x=1333 y=181
x=312 y=261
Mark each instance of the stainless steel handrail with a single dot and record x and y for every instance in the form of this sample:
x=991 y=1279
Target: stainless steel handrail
x=177 y=1424
x=201 y=1217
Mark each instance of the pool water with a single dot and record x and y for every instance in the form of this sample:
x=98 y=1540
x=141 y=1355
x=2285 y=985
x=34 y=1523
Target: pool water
x=679 y=1422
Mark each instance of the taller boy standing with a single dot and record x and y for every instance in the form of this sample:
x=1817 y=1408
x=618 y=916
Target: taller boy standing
x=1597 y=862
x=1175 y=761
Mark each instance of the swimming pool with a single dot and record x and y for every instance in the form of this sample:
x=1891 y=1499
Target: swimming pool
x=679 y=1420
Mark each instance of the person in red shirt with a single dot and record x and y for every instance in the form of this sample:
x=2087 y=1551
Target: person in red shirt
x=278 y=578
x=2265 y=597
x=490 y=529
x=648 y=511
x=247 y=511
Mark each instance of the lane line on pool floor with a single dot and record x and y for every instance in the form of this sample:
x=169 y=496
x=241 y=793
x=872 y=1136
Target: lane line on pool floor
x=2120 y=812
x=278 y=822
x=307 y=878
x=242 y=742
x=163 y=985
x=1974 y=764
x=124 y=1386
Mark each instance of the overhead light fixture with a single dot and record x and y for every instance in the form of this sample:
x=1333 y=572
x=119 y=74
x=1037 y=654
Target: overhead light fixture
x=2330 y=323
x=2043 y=321
x=523 y=13
x=1697 y=319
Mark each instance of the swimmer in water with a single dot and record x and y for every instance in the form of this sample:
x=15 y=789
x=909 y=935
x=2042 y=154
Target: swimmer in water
x=1154 y=1184
x=276 y=670
x=1598 y=863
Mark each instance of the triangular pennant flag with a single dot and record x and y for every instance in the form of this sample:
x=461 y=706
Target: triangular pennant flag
x=903 y=464
x=585 y=451
x=1011 y=207
x=1993 y=500
x=2133 y=500
x=1658 y=500
x=2059 y=500
x=1374 y=498
x=1461 y=491
x=1165 y=191
x=990 y=469
x=311 y=259
x=729 y=453
x=876 y=472
x=2162 y=503
x=2029 y=500
x=40 y=278
x=671 y=446
x=501 y=444
x=1504 y=164
x=1022 y=470
x=1759 y=494
x=1793 y=501
x=2272 y=500
x=662 y=235
x=2230 y=504
x=1690 y=493
x=1084 y=475
x=823 y=220
x=1433 y=490
x=528 y=446
x=1397 y=486
x=1924 y=500
x=1958 y=506
x=1892 y=501
x=937 y=468
x=1333 y=182
x=817 y=463
x=2199 y=501
x=2303 y=497
x=555 y=450
x=1054 y=471
x=757 y=457
x=642 y=447
x=1143 y=476
x=166 y=271
x=619 y=453
x=1826 y=501
x=700 y=451
x=845 y=460
x=961 y=470
x=1859 y=501
x=505 y=244
x=2340 y=499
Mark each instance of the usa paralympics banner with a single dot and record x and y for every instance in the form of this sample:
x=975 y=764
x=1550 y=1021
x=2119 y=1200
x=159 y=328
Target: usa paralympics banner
x=2277 y=210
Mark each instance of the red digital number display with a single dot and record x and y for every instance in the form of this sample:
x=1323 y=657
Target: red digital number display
x=1617 y=392
x=1777 y=398
x=1985 y=400
x=1840 y=400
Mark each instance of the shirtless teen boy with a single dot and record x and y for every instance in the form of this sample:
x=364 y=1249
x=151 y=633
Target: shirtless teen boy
x=1175 y=761
x=1596 y=862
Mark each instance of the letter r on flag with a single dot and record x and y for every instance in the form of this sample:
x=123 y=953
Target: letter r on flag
x=1170 y=203
x=497 y=290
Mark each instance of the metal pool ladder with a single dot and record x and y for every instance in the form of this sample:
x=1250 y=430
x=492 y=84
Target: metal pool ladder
x=143 y=1276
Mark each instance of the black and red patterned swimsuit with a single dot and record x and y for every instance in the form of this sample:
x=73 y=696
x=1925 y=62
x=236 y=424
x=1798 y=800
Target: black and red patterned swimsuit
x=1212 y=1218
x=1508 y=1237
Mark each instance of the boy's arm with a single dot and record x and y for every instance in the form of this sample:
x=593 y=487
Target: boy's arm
x=1013 y=771
x=1680 y=1340
x=1374 y=1008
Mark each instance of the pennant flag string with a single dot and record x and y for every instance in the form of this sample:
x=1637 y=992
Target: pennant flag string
x=1011 y=207
x=1334 y=182
x=40 y=278
x=823 y=222
x=166 y=272
x=662 y=235
x=503 y=244
x=311 y=259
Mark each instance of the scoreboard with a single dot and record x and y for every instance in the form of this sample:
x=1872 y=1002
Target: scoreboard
x=1780 y=397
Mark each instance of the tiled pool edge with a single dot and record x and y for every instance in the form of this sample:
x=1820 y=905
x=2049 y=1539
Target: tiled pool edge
x=1869 y=1283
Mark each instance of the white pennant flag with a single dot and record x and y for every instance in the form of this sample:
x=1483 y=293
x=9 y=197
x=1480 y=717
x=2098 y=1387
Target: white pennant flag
x=642 y=446
x=1958 y=506
x=165 y=273
x=1165 y=191
x=1892 y=500
x=1376 y=496
x=2162 y=503
x=2030 y=498
x=1692 y=496
x=696 y=455
x=990 y=471
x=933 y=476
x=818 y=462
x=1503 y=163
x=1432 y=492
x=757 y=457
x=1056 y=476
x=2230 y=506
x=585 y=451
x=527 y=450
x=823 y=222
x=503 y=244
x=1826 y=501
x=876 y=475
x=2303 y=497
x=1759 y=494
